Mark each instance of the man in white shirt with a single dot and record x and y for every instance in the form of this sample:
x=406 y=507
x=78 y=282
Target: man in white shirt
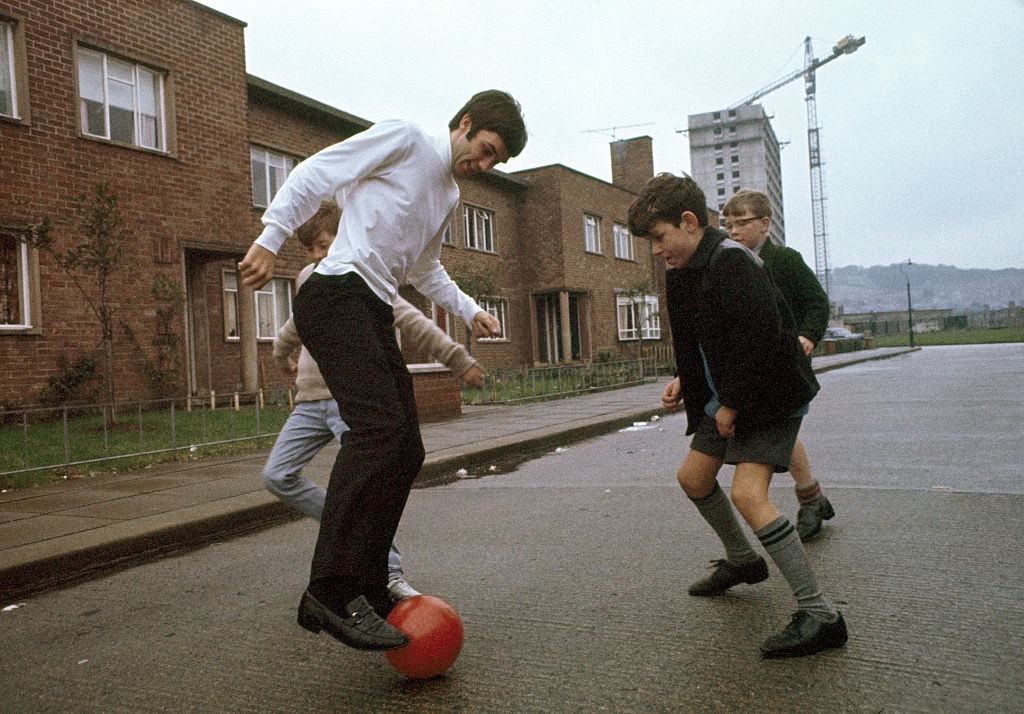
x=397 y=191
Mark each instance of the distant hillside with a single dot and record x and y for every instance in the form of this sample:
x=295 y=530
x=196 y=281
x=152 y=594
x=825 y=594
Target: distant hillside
x=884 y=287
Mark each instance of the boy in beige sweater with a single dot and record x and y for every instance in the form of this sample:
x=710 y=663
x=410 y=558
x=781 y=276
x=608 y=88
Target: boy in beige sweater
x=315 y=421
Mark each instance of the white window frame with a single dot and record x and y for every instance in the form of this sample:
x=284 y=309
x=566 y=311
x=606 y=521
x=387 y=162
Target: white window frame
x=479 y=225
x=24 y=287
x=280 y=316
x=269 y=159
x=623 y=242
x=160 y=85
x=637 y=316
x=229 y=286
x=7 y=29
x=448 y=237
x=498 y=308
x=592 y=233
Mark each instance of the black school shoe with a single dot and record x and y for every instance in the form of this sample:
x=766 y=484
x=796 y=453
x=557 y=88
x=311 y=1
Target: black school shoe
x=361 y=627
x=809 y=518
x=805 y=635
x=725 y=575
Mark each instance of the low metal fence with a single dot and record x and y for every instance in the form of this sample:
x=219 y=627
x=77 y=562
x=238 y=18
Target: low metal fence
x=71 y=438
x=510 y=386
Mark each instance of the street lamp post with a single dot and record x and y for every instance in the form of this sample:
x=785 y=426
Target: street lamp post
x=910 y=308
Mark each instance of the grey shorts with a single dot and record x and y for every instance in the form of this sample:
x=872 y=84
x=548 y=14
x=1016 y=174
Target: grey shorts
x=770 y=444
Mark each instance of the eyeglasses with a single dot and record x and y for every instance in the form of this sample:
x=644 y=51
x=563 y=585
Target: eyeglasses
x=741 y=222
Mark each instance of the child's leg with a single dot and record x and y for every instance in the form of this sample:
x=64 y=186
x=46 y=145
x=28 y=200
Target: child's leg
x=779 y=537
x=814 y=507
x=303 y=435
x=697 y=476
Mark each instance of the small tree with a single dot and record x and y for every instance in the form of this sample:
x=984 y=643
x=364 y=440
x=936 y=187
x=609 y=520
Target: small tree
x=91 y=262
x=637 y=294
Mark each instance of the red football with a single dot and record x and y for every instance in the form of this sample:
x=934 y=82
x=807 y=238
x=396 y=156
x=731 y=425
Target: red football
x=435 y=636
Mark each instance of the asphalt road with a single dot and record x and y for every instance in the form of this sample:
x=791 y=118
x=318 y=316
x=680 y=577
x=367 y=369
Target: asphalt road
x=570 y=574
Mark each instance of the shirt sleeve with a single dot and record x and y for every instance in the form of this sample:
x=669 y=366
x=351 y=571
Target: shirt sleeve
x=432 y=280
x=327 y=173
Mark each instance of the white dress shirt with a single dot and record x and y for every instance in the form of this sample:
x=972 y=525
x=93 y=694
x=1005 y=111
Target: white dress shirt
x=395 y=188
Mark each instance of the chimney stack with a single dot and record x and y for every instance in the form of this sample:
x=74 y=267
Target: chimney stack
x=632 y=162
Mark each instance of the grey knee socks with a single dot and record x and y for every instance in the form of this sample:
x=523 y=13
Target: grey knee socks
x=717 y=511
x=783 y=544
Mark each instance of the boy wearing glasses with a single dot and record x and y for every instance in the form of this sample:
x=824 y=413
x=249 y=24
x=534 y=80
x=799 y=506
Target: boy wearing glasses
x=745 y=384
x=748 y=215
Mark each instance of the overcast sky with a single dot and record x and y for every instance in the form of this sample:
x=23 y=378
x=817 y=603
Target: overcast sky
x=922 y=128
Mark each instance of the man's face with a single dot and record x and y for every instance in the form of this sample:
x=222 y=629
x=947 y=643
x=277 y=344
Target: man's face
x=747 y=229
x=318 y=250
x=675 y=244
x=481 y=153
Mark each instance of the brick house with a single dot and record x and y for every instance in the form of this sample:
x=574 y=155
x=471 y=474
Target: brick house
x=152 y=98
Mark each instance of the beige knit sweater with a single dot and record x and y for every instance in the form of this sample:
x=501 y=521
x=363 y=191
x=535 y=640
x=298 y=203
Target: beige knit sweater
x=415 y=328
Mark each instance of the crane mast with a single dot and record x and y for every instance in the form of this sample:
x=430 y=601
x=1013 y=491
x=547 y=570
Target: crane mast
x=821 y=267
x=844 y=46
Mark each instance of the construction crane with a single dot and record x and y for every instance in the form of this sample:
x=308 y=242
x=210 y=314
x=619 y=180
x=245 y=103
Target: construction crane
x=846 y=45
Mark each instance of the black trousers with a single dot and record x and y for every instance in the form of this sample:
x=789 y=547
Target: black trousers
x=349 y=331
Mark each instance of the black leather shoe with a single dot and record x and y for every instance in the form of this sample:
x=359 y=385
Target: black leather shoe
x=725 y=575
x=805 y=635
x=809 y=518
x=361 y=627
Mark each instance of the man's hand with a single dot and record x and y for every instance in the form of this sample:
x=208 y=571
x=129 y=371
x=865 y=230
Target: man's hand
x=473 y=377
x=725 y=420
x=485 y=325
x=807 y=345
x=670 y=397
x=257 y=267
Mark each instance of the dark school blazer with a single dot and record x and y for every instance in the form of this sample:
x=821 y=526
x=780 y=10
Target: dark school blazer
x=725 y=301
x=800 y=286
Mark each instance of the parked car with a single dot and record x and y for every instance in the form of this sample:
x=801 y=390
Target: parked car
x=841 y=333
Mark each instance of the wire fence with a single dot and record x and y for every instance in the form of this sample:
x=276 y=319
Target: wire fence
x=73 y=438
x=511 y=386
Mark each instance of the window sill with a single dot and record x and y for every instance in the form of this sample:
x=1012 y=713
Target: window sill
x=124 y=145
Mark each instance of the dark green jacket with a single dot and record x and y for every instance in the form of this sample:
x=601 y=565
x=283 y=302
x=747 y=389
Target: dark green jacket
x=800 y=287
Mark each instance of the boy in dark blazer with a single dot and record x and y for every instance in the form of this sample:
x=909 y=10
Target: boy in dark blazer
x=748 y=215
x=745 y=383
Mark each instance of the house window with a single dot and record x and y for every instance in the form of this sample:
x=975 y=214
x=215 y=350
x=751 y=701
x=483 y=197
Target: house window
x=121 y=101
x=498 y=307
x=230 y=281
x=8 y=98
x=273 y=306
x=719 y=177
x=15 y=298
x=623 y=242
x=592 y=234
x=718 y=161
x=638 y=315
x=735 y=174
x=479 y=225
x=734 y=159
x=447 y=238
x=269 y=170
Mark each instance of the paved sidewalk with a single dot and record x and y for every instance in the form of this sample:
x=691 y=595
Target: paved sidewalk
x=55 y=535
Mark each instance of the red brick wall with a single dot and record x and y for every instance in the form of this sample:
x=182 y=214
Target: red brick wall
x=197 y=193
x=438 y=395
